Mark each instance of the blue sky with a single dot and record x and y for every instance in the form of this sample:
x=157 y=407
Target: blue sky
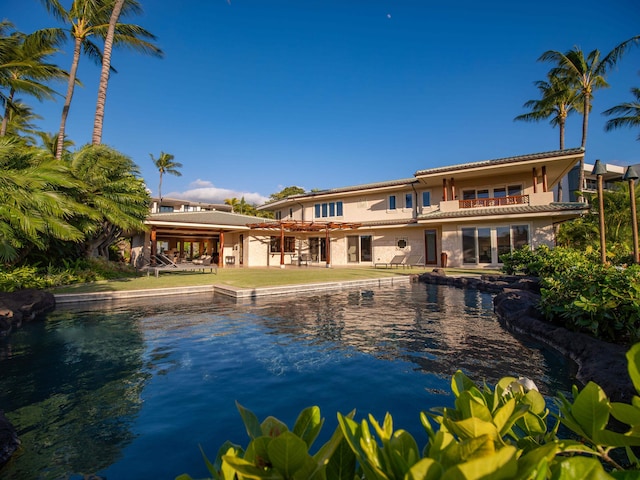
x=257 y=95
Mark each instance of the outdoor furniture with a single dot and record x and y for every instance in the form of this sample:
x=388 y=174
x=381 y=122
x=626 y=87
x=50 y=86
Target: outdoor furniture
x=304 y=258
x=396 y=261
x=183 y=267
x=415 y=261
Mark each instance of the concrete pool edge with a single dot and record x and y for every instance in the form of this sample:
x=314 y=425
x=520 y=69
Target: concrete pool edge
x=234 y=292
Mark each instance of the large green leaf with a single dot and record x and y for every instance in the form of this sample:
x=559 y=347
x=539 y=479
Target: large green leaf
x=308 y=425
x=582 y=468
x=501 y=465
x=473 y=427
x=536 y=460
x=258 y=451
x=626 y=413
x=460 y=382
x=633 y=364
x=425 y=469
x=342 y=464
x=272 y=427
x=591 y=409
x=249 y=470
x=288 y=453
x=251 y=422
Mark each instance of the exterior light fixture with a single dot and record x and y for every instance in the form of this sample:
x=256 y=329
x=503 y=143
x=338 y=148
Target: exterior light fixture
x=631 y=176
x=599 y=170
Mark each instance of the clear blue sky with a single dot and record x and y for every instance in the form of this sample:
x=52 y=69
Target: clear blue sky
x=256 y=95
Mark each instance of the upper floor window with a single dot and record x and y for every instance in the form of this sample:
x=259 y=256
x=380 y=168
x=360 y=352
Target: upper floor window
x=165 y=208
x=291 y=213
x=408 y=200
x=392 y=202
x=329 y=209
x=426 y=199
x=278 y=215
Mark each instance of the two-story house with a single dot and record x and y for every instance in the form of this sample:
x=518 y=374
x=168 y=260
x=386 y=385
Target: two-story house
x=461 y=215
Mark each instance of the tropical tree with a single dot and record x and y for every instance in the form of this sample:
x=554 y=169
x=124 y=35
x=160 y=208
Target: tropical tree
x=25 y=68
x=20 y=120
x=113 y=188
x=557 y=101
x=129 y=35
x=165 y=164
x=49 y=142
x=586 y=74
x=34 y=207
x=628 y=114
x=87 y=19
x=286 y=192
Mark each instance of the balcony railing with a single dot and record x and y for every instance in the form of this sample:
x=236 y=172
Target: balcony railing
x=495 y=202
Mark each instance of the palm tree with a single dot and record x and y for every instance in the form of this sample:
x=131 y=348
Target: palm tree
x=233 y=203
x=628 y=114
x=87 y=19
x=49 y=142
x=165 y=164
x=587 y=75
x=126 y=34
x=24 y=68
x=557 y=101
x=34 y=208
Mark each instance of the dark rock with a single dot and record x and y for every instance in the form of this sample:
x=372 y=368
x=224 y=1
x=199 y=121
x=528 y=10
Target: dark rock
x=9 y=441
x=23 y=306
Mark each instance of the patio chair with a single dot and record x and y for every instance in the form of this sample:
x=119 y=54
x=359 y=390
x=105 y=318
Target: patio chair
x=396 y=261
x=415 y=261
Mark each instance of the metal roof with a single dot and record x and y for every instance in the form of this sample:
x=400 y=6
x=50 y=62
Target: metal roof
x=566 y=208
x=211 y=218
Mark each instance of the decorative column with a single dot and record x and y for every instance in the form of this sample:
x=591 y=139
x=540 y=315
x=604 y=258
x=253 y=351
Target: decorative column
x=221 y=250
x=444 y=189
x=545 y=186
x=631 y=175
x=599 y=170
x=281 y=245
x=453 y=189
x=154 y=246
x=328 y=247
x=534 y=176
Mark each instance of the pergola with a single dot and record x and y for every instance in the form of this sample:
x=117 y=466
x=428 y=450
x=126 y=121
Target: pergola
x=304 y=227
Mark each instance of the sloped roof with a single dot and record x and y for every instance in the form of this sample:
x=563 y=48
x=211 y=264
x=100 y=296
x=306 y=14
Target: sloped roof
x=210 y=218
x=567 y=208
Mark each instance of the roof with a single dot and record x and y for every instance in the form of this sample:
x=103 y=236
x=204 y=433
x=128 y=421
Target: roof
x=502 y=161
x=566 y=208
x=209 y=218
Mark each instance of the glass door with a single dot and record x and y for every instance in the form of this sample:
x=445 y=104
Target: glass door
x=431 y=247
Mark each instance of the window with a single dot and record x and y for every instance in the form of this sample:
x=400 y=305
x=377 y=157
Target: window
x=392 y=202
x=520 y=235
x=291 y=213
x=408 y=200
x=165 y=208
x=468 y=194
x=514 y=190
x=359 y=248
x=488 y=244
x=278 y=215
x=469 y=245
x=330 y=209
x=289 y=244
x=499 y=192
x=402 y=242
x=484 y=193
x=426 y=199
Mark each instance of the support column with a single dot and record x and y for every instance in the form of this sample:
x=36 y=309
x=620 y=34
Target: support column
x=444 y=189
x=221 y=251
x=534 y=177
x=328 y=247
x=453 y=189
x=545 y=186
x=281 y=246
x=154 y=246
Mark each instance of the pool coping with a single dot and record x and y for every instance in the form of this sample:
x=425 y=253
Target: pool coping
x=229 y=291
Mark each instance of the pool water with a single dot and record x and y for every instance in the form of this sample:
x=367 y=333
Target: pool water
x=131 y=390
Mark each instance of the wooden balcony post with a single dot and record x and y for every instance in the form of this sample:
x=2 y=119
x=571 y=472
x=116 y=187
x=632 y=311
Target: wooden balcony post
x=281 y=245
x=154 y=246
x=453 y=189
x=545 y=187
x=444 y=189
x=535 y=180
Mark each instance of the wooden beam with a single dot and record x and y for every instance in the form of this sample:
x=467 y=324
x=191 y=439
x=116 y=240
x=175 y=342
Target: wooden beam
x=544 y=179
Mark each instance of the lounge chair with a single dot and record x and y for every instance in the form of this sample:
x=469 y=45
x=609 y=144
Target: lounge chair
x=415 y=261
x=396 y=261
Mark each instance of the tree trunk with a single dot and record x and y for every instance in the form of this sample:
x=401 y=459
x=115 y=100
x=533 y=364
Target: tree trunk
x=5 y=119
x=67 y=101
x=585 y=124
x=104 y=74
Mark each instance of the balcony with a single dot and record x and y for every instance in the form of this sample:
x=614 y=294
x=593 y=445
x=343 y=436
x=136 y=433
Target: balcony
x=494 y=202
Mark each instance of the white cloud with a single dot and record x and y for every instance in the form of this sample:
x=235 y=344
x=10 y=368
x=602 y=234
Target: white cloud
x=206 y=192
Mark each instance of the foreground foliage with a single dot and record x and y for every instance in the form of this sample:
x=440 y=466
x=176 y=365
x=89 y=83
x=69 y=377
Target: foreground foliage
x=581 y=294
x=507 y=432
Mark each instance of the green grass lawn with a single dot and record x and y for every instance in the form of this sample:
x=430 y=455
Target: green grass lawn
x=251 y=278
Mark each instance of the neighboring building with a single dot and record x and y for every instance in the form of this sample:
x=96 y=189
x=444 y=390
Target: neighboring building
x=570 y=183
x=171 y=205
x=462 y=215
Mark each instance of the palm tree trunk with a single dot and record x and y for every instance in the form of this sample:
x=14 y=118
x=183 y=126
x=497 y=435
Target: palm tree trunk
x=5 y=119
x=160 y=189
x=104 y=74
x=67 y=101
x=585 y=124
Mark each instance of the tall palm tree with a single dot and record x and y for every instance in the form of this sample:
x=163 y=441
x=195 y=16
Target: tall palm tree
x=587 y=74
x=628 y=114
x=25 y=68
x=20 y=120
x=49 y=142
x=557 y=101
x=165 y=164
x=87 y=19
x=117 y=33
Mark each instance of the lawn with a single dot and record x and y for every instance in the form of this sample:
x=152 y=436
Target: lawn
x=250 y=278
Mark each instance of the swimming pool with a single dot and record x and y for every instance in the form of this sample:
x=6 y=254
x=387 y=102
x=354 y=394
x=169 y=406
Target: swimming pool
x=130 y=390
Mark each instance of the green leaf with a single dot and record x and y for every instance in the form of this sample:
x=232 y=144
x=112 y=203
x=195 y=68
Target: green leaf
x=288 y=453
x=501 y=465
x=583 y=468
x=625 y=413
x=251 y=422
x=308 y=425
x=473 y=427
x=342 y=464
x=537 y=460
x=591 y=409
x=633 y=364
x=460 y=382
x=425 y=469
x=626 y=475
x=502 y=416
x=258 y=452
x=248 y=470
x=272 y=427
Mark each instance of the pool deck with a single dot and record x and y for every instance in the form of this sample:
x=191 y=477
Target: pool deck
x=237 y=293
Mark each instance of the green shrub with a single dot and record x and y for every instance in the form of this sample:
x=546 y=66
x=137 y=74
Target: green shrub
x=504 y=433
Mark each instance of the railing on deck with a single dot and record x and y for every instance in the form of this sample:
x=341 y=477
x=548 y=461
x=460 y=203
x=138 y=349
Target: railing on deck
x=495 y=202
